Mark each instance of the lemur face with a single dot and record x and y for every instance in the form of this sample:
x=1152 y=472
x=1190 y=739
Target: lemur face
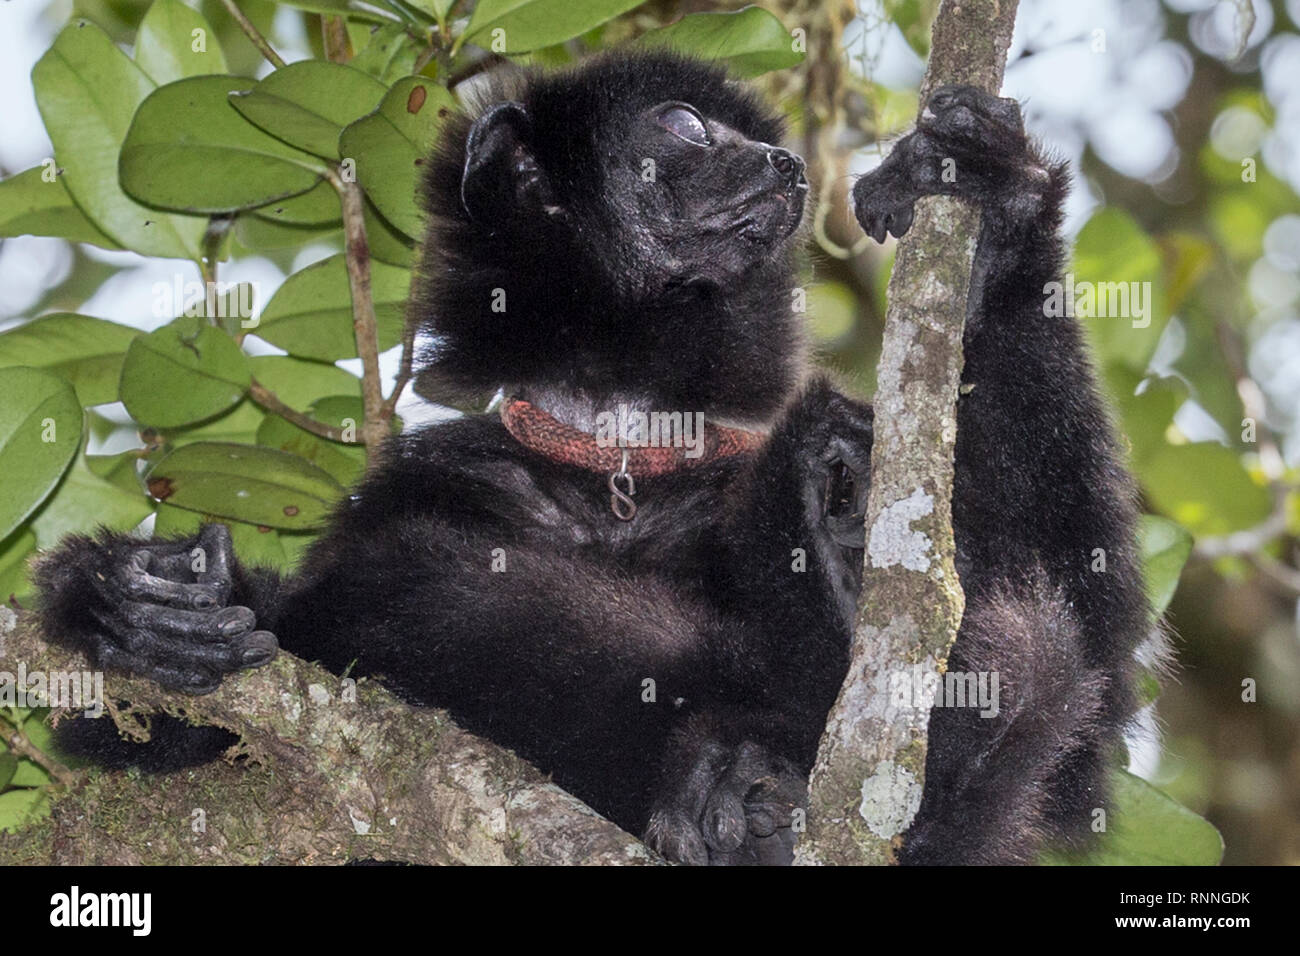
x=683 y=192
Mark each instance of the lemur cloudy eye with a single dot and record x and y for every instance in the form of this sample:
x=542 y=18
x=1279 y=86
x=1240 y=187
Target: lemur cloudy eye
x=684 y=123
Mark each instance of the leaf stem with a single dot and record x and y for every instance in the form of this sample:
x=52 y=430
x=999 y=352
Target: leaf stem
x=268 y=400
x=253 y=34
x=213 y=236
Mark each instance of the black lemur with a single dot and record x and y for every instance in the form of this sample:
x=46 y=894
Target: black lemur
x=665 y=632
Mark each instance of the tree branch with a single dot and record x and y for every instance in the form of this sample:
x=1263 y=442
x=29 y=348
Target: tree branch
x=867 y=782
x=325 y=780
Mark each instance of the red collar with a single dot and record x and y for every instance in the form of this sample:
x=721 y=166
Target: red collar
x=538 y=431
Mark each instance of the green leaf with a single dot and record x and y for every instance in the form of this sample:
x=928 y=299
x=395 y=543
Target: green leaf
x=1165 y=546
x=340 y=411
x=389 y=144
x=227 y=305
x=531 y=24
x=318 y=206
x=438 y=9
x=1115 y=259
x=257 y=233
x=1146 y=407
x=14 y=552
x=912 y=17
x=298 y=383
x=1203 y=364
x=1238 y=221
x=367 y=12
x=30 y=775
x=390 y=54
x=83 y=500
x=119 y=470
x=40 y=432
x=8 y=767
x=257 y=546
x=310 y=315
x=387 y=243
x=189 y=149
x=239 y=424
x=31 y=206
x=307 y=104
x=1147 y=828
x=27 y=773
x=22 y=807
x=1187 y=259
x=344 y=462
x=257 y=485
x=88 y=91
x=184 y=372
x=165 y=45
x=1204 y=487
x=40 y=733
x=85 y=351
x=751 y=41
x=173 y=522
x=832 y=311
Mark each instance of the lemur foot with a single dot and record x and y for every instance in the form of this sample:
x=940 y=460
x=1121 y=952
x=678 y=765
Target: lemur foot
x=737 y=806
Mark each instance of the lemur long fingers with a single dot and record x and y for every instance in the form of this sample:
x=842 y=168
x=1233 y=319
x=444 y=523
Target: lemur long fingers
x=219 y=551
x=139 y=584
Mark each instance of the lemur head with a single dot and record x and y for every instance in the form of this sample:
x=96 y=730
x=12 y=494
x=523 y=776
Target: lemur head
x=622 y=227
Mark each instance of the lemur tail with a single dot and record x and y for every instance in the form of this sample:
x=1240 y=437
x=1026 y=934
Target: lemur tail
x=999 y=787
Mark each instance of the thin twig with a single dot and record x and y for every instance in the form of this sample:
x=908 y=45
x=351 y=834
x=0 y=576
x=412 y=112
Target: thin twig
x=404 y=373
x=19 y=743
x=252 y=33
x=334 y=36
x=213 y=236
x=1282 y=576
x=427 y=54
x=365 y=327
x=439 y=46
x=1249 y=540
x=268 y=400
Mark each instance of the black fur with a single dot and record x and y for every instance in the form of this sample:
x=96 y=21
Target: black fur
x=674 y=294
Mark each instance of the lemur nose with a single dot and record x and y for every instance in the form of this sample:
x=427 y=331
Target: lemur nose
x=789 y=166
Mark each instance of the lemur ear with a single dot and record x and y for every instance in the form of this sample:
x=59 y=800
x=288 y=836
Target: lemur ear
x=502 y=180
